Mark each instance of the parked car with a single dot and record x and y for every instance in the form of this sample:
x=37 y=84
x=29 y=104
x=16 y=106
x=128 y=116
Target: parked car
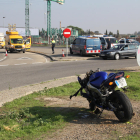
x=124 y=40
x=86 y=46
x=119 y=51
x=113 y=40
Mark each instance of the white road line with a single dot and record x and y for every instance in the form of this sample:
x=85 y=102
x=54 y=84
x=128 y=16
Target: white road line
x=4 y=65
x=37 y=63
x=24 y=58
x=21 y=64
x=46 y=59
x=3 y=58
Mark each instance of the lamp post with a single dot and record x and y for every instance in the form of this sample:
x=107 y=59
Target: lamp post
x=3 y=22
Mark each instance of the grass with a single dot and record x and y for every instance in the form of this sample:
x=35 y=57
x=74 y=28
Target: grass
x=133 y=85
x=29 y=117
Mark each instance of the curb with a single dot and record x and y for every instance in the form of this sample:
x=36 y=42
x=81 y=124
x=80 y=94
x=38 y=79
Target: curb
x=43 y=55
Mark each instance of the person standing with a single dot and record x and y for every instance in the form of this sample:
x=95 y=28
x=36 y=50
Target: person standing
x=109 y=44
x=53 y=45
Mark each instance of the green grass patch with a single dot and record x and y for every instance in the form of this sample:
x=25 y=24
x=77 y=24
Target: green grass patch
x=133 y=91
x=29 y=117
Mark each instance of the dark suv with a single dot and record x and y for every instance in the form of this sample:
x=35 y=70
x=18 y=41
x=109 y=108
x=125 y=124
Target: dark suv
x=86 y=46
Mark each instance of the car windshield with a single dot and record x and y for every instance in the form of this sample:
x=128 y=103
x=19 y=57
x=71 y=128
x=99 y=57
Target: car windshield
x=112 y=40
x=116 y=47
x=17 y=41
x=93 y=42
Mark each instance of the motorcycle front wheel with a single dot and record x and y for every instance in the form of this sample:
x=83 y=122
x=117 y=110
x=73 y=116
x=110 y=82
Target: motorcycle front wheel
x=121 y=102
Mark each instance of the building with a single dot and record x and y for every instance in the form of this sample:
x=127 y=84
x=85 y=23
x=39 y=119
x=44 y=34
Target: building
x=21 y=30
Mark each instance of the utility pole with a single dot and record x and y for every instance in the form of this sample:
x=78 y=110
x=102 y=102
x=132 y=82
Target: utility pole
x=48 y=20
x=27 y=30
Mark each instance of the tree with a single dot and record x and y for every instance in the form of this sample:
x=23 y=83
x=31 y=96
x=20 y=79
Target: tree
x=106 y=32
x=110 y=33
x=117 y=34
x=80 y=31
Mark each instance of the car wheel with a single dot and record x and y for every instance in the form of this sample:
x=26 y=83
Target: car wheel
x=105 y=58
x=117 y=56
x=81 y=53
x=71 y=51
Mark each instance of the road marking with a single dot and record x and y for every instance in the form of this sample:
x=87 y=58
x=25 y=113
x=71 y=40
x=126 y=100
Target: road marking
x=3 y=58
x=24 y=58
x=4 y=65
x=46 y=59
x=37 y=63
x=21 y=64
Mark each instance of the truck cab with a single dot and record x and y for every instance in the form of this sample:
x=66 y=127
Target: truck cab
x=14 y=42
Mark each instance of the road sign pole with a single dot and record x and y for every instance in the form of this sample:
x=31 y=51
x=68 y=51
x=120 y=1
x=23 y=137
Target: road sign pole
x=67 y=45
x=67 y=34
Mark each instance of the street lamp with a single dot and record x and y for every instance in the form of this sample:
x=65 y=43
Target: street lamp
x=3 y=21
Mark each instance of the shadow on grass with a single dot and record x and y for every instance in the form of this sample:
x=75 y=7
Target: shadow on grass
x=70 y=114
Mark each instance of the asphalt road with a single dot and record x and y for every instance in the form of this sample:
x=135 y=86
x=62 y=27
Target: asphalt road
x=17 y=58
x=20 y=75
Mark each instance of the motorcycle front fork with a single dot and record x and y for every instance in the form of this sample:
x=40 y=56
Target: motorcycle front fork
x=85 y=95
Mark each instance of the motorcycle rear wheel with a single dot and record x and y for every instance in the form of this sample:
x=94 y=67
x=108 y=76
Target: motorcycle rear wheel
x=124 y=110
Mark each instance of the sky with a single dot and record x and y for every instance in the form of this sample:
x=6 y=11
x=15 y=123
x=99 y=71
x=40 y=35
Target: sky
x=96 y=15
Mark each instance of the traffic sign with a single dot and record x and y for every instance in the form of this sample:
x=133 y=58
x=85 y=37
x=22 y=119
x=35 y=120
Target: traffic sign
x=138 y=56
x=67 y=33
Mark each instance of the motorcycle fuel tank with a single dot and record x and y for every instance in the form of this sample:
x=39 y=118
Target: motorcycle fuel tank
x=97 y=78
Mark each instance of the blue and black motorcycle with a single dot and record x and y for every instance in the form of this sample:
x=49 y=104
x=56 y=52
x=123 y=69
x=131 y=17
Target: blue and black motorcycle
x=100 y=92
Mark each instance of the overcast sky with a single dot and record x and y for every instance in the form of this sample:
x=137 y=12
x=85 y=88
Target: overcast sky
x=96 y=15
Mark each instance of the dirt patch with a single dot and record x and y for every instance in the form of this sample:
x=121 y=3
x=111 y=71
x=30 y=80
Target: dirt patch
x=89 y=126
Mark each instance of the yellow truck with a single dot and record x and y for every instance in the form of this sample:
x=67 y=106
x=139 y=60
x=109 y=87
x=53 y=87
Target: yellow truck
x=14 y=42
x=2 y=40
x=27 y=42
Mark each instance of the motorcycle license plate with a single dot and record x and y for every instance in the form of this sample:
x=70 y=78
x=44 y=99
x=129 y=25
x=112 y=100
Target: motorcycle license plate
x=121 y=82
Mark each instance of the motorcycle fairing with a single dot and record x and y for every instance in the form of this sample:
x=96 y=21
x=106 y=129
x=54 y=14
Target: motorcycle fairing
x=97 y=78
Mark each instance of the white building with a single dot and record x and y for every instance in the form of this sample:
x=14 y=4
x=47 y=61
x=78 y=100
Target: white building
x=21 y=30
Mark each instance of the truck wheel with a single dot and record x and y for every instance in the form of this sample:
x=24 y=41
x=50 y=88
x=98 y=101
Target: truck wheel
x=81 y=53
x=24 y=51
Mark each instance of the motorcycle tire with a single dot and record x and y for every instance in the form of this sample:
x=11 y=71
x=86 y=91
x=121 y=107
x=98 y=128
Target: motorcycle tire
x=92 y=106
x=124 y=110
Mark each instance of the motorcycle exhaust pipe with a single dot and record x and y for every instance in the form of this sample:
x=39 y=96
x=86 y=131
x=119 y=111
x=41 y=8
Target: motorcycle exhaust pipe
x=94 y=89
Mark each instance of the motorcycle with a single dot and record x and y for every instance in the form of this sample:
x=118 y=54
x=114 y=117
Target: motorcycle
x=100 y=93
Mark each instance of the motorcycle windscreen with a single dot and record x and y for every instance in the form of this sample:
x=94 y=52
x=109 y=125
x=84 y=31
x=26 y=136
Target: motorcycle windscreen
x=97 y=78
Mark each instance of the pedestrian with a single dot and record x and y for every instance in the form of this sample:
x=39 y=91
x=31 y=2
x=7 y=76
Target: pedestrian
x=53 y=45
x=109 y=44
